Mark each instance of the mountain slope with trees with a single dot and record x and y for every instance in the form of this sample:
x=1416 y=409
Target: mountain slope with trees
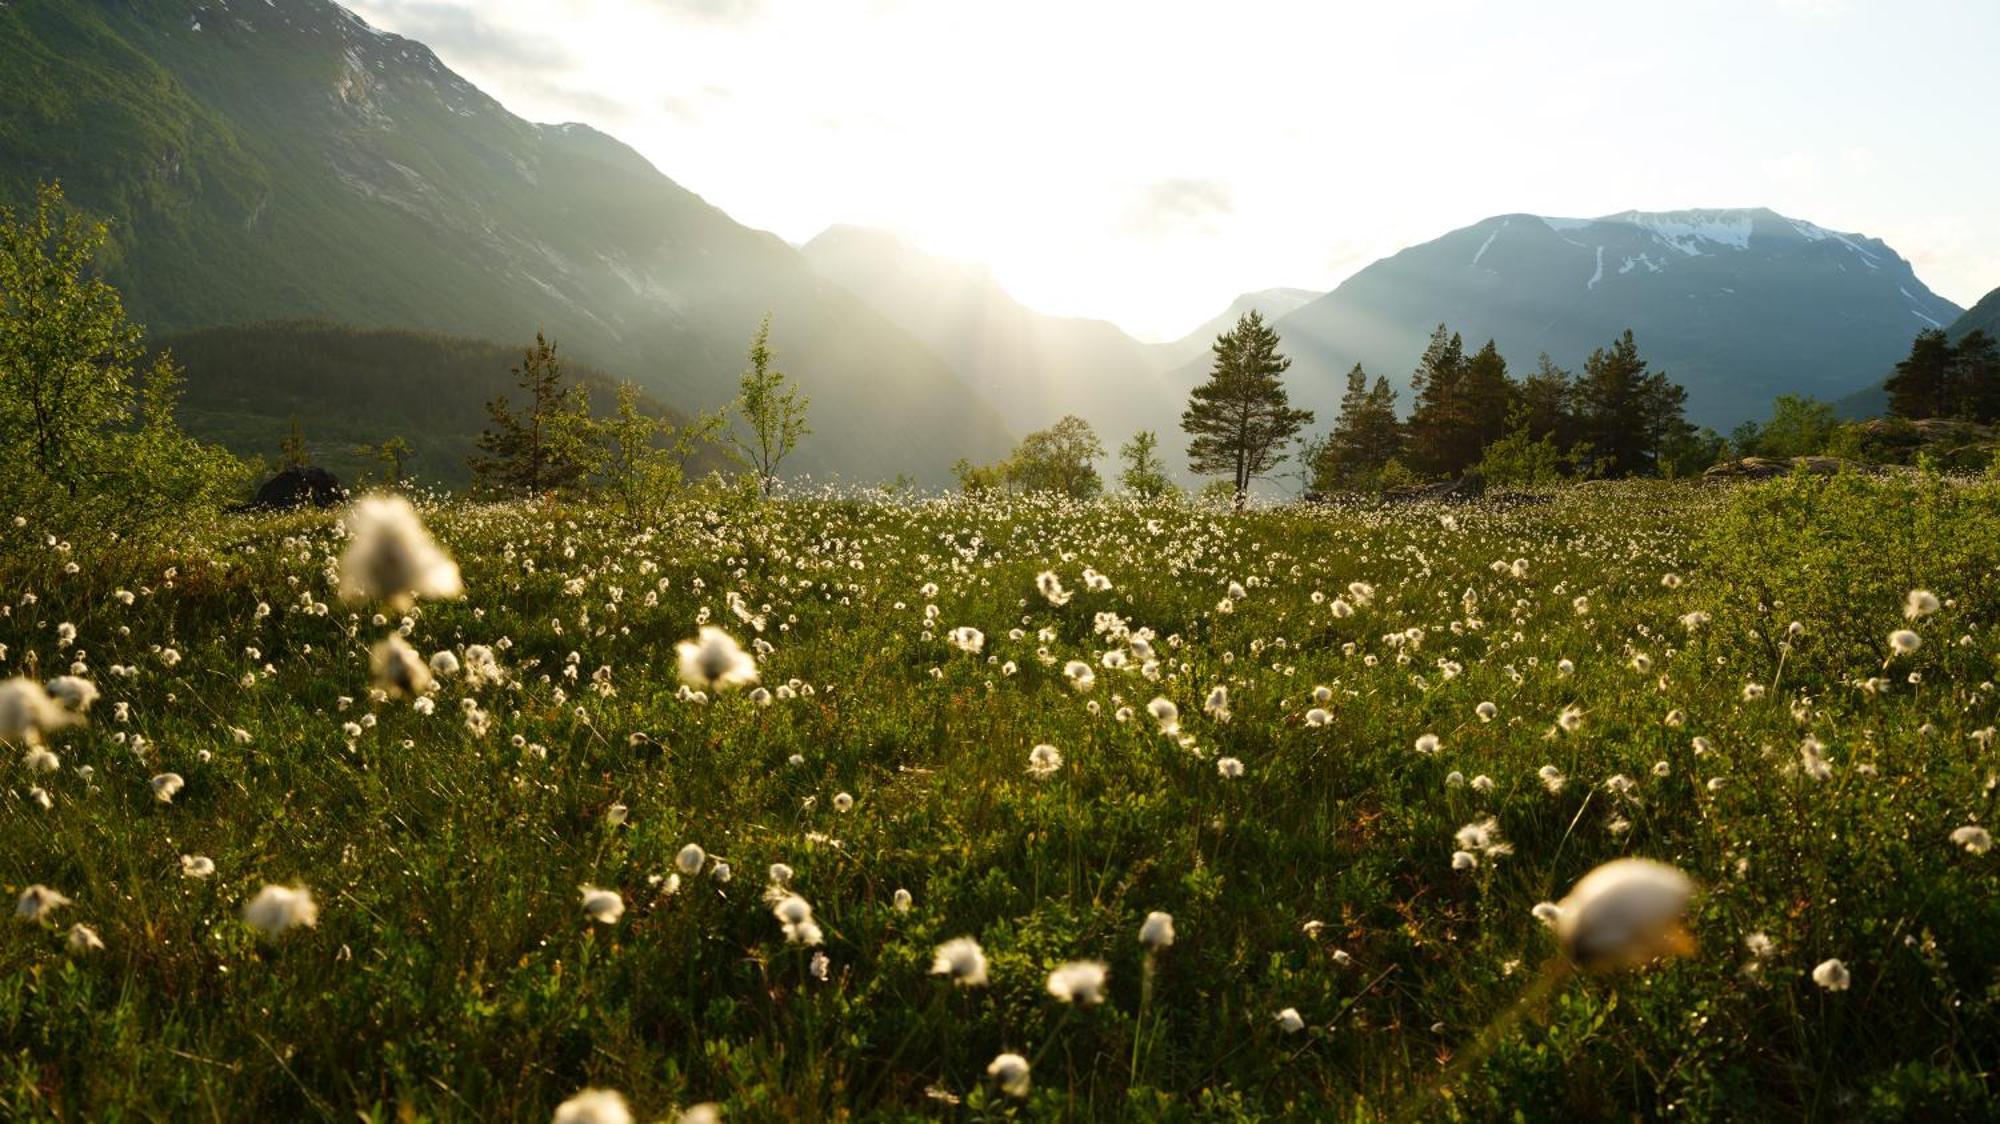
x=278 y=161
x=350 y=387
x=1737 y=306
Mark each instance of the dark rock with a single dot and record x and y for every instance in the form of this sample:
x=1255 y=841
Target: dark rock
x=1765 y=468
x=296 y=487
x=1468 y=487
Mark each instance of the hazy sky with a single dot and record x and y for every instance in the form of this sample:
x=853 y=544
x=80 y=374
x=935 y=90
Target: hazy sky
x=1146 y=161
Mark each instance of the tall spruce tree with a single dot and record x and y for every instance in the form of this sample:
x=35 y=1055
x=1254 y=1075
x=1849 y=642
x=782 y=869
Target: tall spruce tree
x=1366 y=436
x=1921 y=385
x=549 y=445
x=1435 y=426
x=1543 y=404
x=1241 y=419
x=1627 y=413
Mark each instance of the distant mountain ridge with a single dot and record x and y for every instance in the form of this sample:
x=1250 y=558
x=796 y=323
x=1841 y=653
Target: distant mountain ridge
x=1736 y=305
x=276 y=159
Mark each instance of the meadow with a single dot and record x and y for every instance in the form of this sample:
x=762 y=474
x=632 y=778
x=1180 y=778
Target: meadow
x=536 y=848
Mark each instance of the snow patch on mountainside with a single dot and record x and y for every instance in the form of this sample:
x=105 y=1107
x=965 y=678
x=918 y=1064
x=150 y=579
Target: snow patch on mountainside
x=1599 y=275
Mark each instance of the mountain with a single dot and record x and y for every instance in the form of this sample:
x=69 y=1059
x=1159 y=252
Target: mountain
x=350 y=387
x=1872 y=401
x=1034 y=367
x=1984 y=316
x=1270 y=303
x=277 y=159
x=1738 y=306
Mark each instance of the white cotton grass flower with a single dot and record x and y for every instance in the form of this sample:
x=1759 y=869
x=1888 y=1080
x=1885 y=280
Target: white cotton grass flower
x=1166 y=714
x=1975 y=839
x=1290 y=1021
x=1080 y=676
x=690 y=859
x=1229 y=767
x=962 y=961
x=390 y=557
x=1486 y=711
x=1319 y=716
x=1832 y=975
x=75 y=693
x=1919 y=603
x=444 y=663
x=1625 y=913
x=1080 y=982
x=27 y=712
x=165 y=786
x=1551 y=778
x=1903 y=642
x=82 y=938
x=901 y=901
x=713 y=660
x=795 y=915
x=197 y=866
x=37 y=902
x=600 y=905
x=1010 y=1072
x=277 y=910
x=39 y=761
x=1051 y=588
x=1570 y=720
x=1216 y=706
x=395 y=668
x=967 y=639
x=1044 y=761
x=1157 y=931
x=1428 y=744
x=594 y=1106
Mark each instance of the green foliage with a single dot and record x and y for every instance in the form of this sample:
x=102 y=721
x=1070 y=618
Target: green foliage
x=1632 y=417
x=76 y=436
x=1942 y=379
x=646 y=457
x=1061 y=459
x=1799 y=427
x=979 y=479
x=770 y=408
x=1145 y=474
x=1462 y=405
x=1518 y=459
x=551 y=444
x=1365 y=438
x=1241 y=419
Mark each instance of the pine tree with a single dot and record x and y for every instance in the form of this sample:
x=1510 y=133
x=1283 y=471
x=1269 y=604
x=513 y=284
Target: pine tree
x=1436 y=429
x=770 y=406
x=1975 y=376
x=1627 y=413
x=1543 y=399
x=548 y=446
x=1241 y=419
x=1365 y=438
x=1921 y=385
x=1145 y=474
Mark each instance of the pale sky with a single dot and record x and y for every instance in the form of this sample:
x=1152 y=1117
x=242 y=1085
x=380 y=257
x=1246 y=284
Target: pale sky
x=1146 y=161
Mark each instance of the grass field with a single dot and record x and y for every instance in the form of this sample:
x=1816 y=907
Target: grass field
x=1370 y=863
